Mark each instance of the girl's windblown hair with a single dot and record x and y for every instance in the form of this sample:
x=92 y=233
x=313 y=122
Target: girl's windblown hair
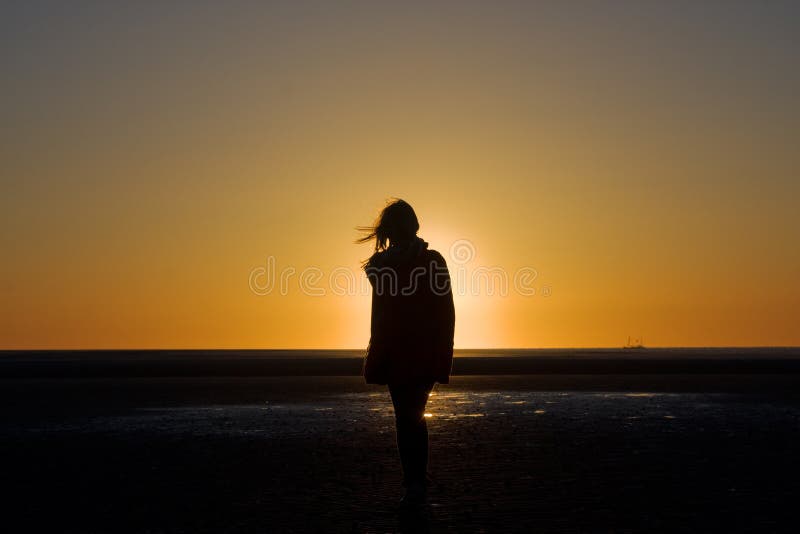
x=396 y=224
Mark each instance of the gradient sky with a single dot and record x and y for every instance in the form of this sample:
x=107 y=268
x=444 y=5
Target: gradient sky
x=641 y=156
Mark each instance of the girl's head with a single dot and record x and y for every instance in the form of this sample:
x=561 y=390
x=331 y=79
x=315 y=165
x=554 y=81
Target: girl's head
x=396 y=224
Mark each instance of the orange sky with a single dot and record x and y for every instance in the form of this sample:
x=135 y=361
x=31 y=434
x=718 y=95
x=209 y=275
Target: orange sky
x=642 y=158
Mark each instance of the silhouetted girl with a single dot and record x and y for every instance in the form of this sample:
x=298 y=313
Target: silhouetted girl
x=411 y=341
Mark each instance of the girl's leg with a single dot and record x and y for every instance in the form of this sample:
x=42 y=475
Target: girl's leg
x=412 y=431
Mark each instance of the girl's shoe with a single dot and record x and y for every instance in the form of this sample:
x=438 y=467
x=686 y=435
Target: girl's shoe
x=416 y=494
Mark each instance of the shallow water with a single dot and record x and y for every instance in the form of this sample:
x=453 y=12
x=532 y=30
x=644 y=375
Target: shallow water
x=341 y=412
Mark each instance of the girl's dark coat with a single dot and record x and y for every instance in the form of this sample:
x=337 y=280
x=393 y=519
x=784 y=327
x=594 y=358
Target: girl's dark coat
x=413 y=317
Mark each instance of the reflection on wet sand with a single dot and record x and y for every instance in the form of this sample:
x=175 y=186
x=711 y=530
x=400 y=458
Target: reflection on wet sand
x=373 y=410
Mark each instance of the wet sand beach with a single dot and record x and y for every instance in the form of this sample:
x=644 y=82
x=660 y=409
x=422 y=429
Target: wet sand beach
x=525 y=453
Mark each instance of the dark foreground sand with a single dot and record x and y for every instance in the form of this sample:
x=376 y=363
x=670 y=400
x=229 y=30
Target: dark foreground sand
x=564 y=453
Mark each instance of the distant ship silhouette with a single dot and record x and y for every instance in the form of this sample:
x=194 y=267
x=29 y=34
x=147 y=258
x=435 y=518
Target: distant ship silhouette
x=637 y=343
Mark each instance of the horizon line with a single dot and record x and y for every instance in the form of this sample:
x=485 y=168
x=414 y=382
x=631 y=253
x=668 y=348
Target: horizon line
x=188 y=349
